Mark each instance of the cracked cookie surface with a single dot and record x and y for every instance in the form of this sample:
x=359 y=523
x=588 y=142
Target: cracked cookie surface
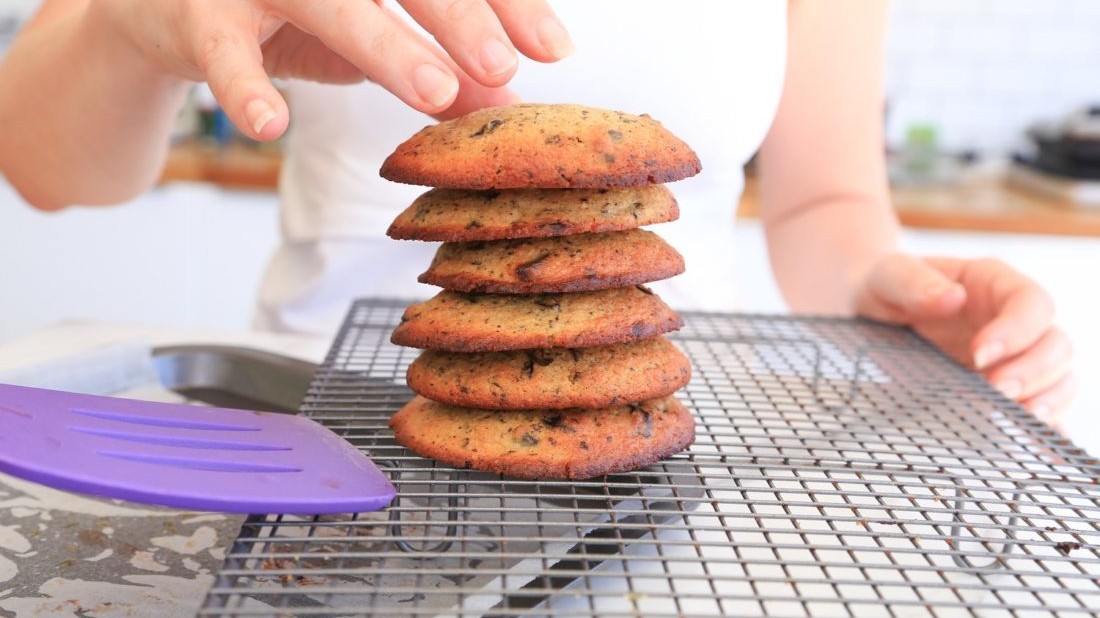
x=542 y=145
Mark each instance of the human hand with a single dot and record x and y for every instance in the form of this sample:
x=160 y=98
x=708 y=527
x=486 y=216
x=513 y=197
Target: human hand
x=238 y=45
x=986 y=316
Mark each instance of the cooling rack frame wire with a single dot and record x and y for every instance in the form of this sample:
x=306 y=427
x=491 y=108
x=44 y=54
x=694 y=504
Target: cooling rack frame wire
x=841 y=468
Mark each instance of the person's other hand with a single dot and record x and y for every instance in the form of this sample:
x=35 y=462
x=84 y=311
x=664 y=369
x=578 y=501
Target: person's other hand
x=984 y=314
x=238 y=45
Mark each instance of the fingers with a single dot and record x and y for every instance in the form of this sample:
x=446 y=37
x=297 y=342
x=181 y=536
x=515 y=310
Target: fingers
x=1050 y=405
x=471 y=94
x=1023 y=315
x=534 y=29
x=371 y=42
x=387 y=54
x=482 y=35
x=232 y=63
x=471 y=33
x=901 y=288
x=1037 y=370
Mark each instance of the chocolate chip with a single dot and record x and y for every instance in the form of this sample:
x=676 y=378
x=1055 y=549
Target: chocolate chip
x=548 y=302
x=526 y=271
x=608 y=157
x=535 y=357
x=488 y=127
x=553 y=139
x=646 y=431
x=529 y=440
x=553 y=420
x=615 y=135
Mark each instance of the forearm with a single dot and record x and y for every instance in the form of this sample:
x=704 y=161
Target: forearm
x=823 y=250
x=86 y=118
x=824 y=198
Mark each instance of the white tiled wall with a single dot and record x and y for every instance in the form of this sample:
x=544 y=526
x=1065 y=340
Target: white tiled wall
x=981 y=71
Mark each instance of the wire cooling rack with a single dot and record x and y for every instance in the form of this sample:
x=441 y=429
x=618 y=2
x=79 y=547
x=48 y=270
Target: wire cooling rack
x=841 y=468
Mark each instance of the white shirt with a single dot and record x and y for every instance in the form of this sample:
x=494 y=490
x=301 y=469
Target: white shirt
x=709 y=71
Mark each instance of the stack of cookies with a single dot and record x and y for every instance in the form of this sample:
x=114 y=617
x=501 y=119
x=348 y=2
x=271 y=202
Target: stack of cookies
x=544 y=355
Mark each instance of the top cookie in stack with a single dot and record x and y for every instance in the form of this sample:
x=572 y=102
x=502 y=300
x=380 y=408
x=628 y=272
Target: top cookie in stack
x=531 y=145
x=544 y=355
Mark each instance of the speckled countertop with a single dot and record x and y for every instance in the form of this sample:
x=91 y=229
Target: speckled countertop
x=64 y=555
x=68 y=556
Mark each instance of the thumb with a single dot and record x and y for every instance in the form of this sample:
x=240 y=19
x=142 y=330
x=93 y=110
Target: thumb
x=901 y=288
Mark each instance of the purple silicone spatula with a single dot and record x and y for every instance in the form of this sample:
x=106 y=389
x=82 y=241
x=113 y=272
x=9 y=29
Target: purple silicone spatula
x=187 y=457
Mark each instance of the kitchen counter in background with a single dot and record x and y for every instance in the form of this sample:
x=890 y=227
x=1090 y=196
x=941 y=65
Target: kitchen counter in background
x=979 y=203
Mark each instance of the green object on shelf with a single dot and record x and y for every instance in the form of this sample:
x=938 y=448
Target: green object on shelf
x=921 y=149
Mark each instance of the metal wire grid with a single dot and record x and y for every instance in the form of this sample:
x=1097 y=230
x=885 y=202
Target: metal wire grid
x=841 y=468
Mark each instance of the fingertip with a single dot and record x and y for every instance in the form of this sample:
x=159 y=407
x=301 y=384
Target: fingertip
x=498 y=62
x=986 y=353
x=265 y=120
x=947 y=297
x=436 y=87
x=554 y=38
x=473 y=96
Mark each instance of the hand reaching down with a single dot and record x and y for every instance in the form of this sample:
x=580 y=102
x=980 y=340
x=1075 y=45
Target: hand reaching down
x=238 y=45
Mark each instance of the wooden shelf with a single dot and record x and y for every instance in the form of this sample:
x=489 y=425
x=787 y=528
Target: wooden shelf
x=982 y=204
x=236 y=165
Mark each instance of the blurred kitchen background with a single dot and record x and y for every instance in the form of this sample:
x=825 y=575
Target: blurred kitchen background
x=991 y=130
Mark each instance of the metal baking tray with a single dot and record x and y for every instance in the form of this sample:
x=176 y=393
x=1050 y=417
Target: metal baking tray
x=234 y=377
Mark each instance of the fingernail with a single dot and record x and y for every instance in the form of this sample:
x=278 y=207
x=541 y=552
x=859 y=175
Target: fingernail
x=434 y=85
x=496 y=58
x=1042 y=412
x=940 y=291
x=937 y=289
x=259 y=113
x=988 y=354
x=554 y=38
x=1011 y=388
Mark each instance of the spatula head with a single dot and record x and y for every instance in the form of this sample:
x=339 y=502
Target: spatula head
x=182 y=456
